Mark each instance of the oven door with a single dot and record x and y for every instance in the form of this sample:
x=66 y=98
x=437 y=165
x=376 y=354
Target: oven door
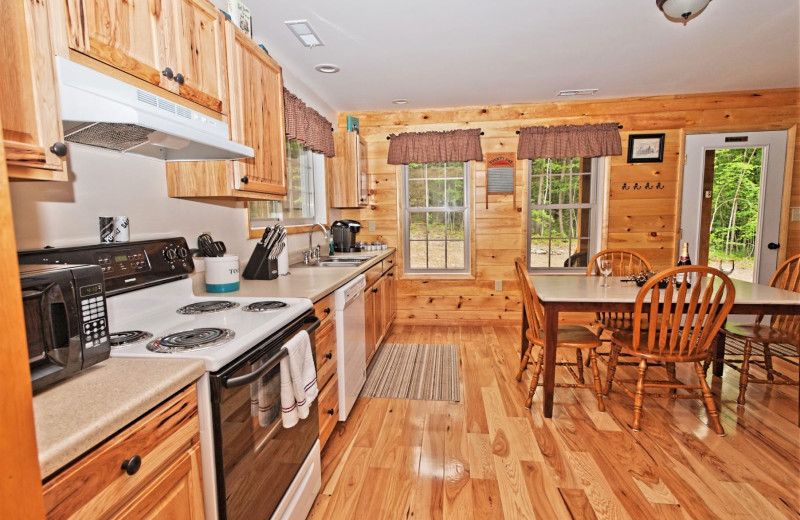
x=256 y=457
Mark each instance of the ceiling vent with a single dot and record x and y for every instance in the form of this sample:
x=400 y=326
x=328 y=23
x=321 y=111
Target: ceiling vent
x=305 y=33
x=579 y=92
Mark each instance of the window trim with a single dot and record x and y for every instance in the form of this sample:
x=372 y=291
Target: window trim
x=598 y=202
x=321 y=209
x=468 y=272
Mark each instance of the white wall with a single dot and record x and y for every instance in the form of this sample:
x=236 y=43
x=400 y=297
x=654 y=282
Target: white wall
x=103 y=183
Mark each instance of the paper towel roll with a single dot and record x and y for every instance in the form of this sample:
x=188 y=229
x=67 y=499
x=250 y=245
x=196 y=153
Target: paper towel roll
x=283 y=260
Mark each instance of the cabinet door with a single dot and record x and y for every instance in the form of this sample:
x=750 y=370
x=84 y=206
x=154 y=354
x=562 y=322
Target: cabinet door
x=377 y=303
x=389 y=299
x=369 y=324
x=176 y=493
x=197 y=53
x=29 y=102
x=363 y=180
x=348 y=186
x=256 y=114
x=129 y=36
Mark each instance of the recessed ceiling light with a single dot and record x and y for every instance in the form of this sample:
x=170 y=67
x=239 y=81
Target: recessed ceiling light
x=400 y=101
x=305 y=33
x=578 y=92
x=327 y=68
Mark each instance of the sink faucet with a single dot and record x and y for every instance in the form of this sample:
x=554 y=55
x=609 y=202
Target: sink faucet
x=313 y=253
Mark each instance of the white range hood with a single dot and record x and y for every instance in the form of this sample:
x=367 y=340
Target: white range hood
x=100 y=111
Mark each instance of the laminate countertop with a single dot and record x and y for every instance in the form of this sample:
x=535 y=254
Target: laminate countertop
x=79 y=413
x=313 y=282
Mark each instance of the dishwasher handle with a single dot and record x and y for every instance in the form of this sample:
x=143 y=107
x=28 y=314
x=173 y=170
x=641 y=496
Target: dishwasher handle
x=312 y=323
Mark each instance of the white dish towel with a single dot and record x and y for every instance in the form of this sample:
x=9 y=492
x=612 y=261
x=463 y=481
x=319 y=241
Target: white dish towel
x=298 y=380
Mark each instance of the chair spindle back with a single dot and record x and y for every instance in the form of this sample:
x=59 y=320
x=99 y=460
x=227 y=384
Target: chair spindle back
x=689 y=317
x=625 y=262
x=786 y=277
x=533 y=307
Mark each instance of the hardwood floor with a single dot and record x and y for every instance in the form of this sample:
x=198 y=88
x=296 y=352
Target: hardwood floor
x=487 y=457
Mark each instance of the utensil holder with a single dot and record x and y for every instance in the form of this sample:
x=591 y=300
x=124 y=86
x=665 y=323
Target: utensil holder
x=222 y=273
x=260 y=267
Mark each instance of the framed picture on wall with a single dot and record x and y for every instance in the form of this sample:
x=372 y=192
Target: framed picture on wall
x=643 y=148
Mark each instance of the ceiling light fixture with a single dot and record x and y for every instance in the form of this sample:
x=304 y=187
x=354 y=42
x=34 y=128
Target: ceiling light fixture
x=682 y=10
x=305 y=33
x=578 y=92
x=400 y=101
x=327 y=68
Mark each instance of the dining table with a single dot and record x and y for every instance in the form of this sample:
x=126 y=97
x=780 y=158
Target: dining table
x=579 y=293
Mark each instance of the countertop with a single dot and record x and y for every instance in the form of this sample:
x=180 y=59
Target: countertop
x=76 y=415
x=313 y=282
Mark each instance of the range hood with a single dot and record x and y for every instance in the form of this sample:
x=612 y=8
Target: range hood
x=100 y=111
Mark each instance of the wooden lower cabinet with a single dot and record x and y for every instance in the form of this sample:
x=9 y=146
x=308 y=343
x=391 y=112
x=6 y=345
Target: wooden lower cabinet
x=327 y=363
x=380 y=306
x=163 y=477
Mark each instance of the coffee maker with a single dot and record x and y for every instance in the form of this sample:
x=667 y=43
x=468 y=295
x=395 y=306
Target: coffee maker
x=344 y=236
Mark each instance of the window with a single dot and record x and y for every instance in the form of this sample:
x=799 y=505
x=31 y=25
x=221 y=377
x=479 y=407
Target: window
x=563 y=214
x=436 y=218
x=305 y=198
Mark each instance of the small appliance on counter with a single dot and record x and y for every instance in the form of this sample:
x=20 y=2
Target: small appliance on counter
x=65 y=320
x=344 y=236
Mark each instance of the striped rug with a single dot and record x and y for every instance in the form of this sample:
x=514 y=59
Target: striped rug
x=735 y=347
x=414 y=371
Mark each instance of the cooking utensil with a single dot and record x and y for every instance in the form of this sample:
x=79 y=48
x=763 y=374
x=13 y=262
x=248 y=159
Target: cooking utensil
x=206 y=245
x=277 y=251
x=265 y=235
x=220 y=249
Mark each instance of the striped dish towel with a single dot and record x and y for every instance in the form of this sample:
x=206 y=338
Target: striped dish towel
x=298 y=380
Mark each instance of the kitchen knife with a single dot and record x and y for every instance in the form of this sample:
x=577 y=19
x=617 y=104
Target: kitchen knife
x=265 y=235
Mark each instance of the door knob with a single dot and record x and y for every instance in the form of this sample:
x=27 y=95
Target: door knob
x=245 y=180
x=167 y=73
x=773 y=245
x=179 y=78
x=132 y=465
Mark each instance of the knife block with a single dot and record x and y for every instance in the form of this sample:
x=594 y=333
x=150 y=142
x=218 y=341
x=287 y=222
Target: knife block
x=260 y=267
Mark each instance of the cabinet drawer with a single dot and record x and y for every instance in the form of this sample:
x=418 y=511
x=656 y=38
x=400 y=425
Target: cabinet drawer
x=325 y=309
x=326 y=352
x=328 y=409
x=388 y=262
x=373 y=273
x=97 y=485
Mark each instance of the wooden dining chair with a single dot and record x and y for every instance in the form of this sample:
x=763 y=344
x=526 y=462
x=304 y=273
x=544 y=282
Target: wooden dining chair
x=781 y=329
x=680 y=332
x=625 y=262
x=574 y=337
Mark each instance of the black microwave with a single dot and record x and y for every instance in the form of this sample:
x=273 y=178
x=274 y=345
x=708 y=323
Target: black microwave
x=65 y=320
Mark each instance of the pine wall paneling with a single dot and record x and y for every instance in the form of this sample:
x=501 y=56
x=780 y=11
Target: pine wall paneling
x=644 y=220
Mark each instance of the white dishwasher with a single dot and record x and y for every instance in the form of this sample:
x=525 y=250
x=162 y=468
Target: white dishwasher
x=350 y=342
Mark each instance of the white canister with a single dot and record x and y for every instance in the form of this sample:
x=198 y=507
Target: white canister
x=122 y=229
x=222 y=273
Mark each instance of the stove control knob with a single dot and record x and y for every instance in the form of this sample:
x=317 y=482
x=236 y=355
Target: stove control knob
x=170 y=254
x=182 y=252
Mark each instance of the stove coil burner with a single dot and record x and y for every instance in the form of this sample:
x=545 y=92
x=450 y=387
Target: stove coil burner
x=207 y=307
x=128 y=337
x=265 y=306
x=194 y=339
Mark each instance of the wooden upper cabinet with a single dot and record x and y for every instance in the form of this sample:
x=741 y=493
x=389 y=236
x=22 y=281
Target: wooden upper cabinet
x=173 y=44
x=29 y=102
x=348 y=175
x=129 y=36
x=199 y=53
x=255 y=99
x=256 y=114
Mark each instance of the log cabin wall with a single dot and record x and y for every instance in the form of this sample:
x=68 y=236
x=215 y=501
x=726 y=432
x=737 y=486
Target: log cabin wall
x=643 y=220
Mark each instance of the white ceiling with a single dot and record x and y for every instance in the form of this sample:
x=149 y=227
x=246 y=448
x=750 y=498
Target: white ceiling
x=442 y=53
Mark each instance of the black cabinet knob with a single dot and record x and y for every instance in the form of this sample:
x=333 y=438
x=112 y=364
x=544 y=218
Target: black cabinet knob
x=167 y=73
x=375 y=290
x=391 y=274
x=132 y=465
x=59 y=148
x=330 y=411
x=179 y=78
x=245 y=180
x=327 y=310
x=329 y=355
x=773 y=245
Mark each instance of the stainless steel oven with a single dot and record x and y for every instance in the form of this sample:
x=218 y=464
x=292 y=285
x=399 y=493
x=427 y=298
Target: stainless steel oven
x=256 y=458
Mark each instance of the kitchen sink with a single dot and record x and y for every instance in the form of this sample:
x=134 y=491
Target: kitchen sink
x=336 y=261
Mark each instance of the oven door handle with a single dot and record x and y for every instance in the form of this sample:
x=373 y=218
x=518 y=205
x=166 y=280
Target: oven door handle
x=311 y=324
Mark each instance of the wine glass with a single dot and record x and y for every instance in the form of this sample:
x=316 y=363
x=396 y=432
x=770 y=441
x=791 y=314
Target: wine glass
x=727 y=266
x=606 y=267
